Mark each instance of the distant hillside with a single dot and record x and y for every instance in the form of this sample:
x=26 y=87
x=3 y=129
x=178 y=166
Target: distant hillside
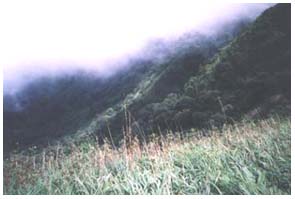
x=250 y=77
x=50 y=107
x=194 y=82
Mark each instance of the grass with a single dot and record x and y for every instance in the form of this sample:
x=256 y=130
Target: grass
x=245 y=158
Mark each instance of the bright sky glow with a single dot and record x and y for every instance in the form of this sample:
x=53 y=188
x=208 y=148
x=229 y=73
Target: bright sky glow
x=45 y=35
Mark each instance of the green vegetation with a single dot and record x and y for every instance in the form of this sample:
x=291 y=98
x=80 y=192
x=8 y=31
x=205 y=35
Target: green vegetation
x=244 y=158
x=195 y=117
x=249 y=76
x=54 y=107
x=198 y=81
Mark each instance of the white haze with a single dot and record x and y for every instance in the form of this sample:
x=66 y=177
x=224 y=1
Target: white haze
x=46 y=38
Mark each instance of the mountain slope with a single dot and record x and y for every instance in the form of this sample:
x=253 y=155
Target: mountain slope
x=189 y=82
x=51 y=107
x=249 y=77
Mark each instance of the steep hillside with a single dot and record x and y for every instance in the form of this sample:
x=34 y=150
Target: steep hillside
x=198 y=114
x=51 y=107
x=250 y=77
x=194 y=81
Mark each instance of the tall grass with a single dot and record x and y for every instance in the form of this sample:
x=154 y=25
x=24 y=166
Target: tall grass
x=245 y=158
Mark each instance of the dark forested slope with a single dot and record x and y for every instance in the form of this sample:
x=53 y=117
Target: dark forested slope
x=251 y=75
x=50 y=107
x=195 y=81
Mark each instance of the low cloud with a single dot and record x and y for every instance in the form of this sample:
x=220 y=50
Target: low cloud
x=53 y=37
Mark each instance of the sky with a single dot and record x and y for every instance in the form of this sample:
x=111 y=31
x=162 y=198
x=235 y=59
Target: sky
x=46 y=37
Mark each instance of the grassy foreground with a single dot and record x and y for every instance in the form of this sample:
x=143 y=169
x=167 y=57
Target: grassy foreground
x=245 y=158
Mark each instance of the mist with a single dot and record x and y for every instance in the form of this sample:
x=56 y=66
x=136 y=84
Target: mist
x=47 y=39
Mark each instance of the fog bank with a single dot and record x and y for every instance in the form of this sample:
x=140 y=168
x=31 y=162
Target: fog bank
x=54 y=37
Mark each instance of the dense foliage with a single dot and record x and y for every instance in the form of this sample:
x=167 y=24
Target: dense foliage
x=249 y=77
x=50 y=107
x=196 y=115
x=194 y=81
